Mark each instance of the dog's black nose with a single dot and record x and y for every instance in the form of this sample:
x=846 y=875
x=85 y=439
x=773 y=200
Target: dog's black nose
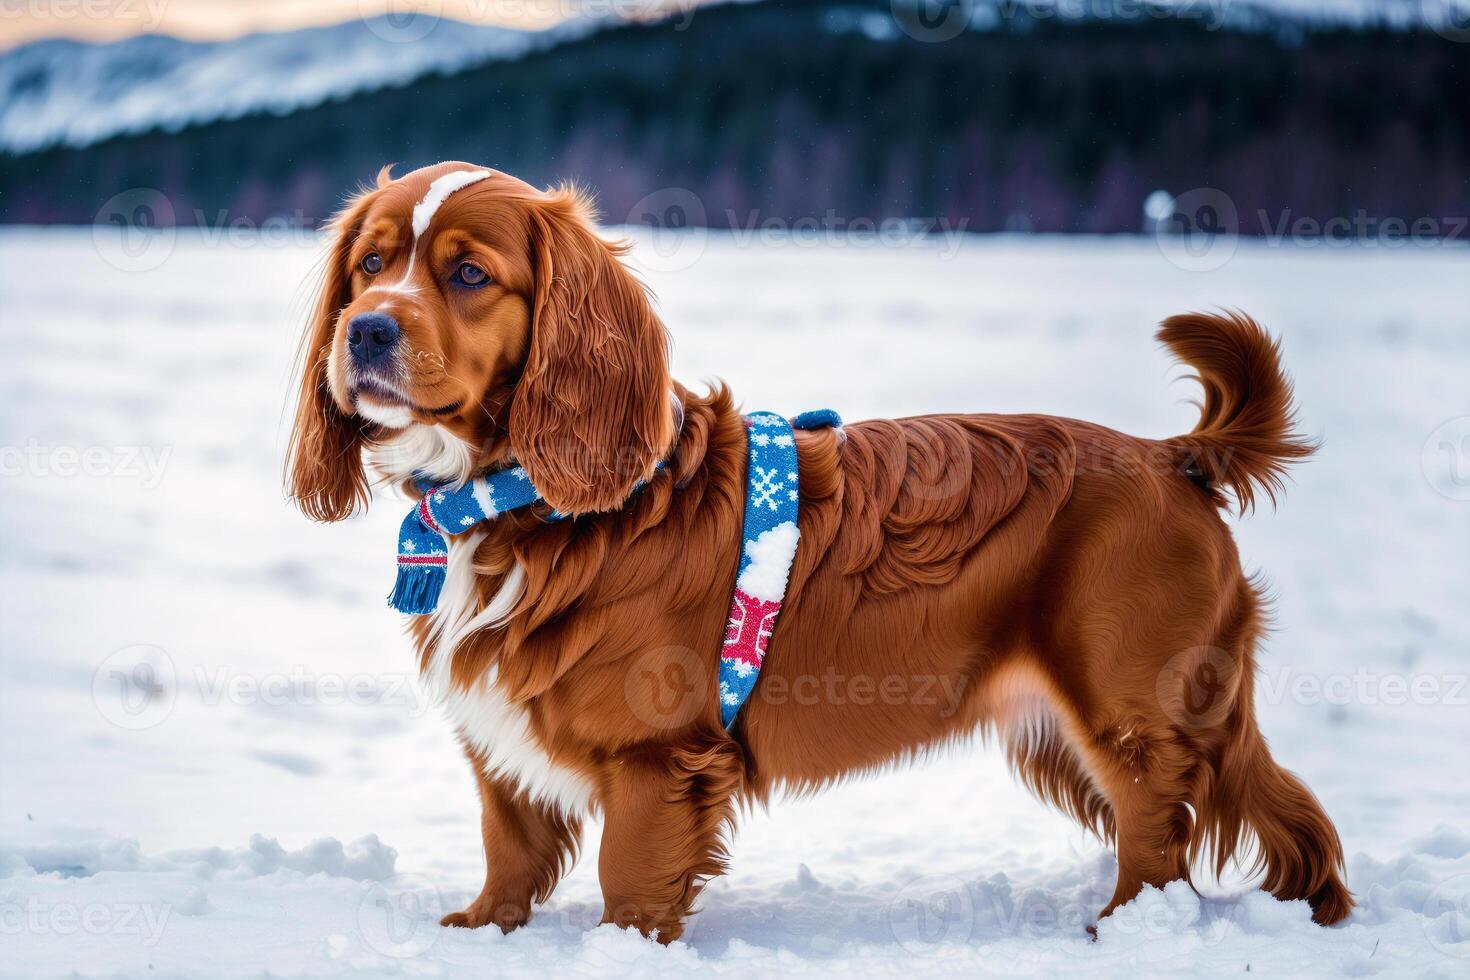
x=371 y=335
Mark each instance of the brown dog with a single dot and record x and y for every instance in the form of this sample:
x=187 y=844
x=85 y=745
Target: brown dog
x=1070 y=587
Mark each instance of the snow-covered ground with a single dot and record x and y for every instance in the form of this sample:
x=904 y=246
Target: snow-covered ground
x=214 y=759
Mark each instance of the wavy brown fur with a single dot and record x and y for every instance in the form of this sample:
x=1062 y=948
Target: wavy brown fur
x=1067 y=587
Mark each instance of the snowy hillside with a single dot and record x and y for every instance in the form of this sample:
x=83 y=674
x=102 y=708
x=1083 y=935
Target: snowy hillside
x=71 y=93
x=75 y=93
x=216 y=751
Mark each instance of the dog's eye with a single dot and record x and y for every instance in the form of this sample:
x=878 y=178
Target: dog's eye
x=469 y=274
x=372 y=263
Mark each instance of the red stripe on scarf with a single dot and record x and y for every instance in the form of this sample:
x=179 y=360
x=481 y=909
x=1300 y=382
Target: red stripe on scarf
x=427 y=517
x=423 y=559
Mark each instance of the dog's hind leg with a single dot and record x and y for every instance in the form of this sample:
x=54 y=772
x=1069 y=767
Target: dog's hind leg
x=1024 y=709
x=1144 y=773
x=1249 y=795
x=1120 y=776
x=1177 y=752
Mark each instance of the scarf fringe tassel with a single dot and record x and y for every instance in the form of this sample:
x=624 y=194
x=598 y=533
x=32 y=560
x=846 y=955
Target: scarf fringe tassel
x=416 y=590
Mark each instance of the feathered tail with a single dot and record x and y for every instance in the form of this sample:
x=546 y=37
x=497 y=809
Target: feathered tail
x=1244 y=440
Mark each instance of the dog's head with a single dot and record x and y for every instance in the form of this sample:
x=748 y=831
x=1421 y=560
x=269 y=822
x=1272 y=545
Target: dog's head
x=462 y=302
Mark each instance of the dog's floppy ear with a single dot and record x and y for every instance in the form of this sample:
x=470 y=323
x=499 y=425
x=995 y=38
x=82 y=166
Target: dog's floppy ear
x=324 y=471
x=592 y=412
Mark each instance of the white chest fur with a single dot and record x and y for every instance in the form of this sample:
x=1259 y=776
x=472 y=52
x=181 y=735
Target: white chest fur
x=494 y=727
x=499 y=730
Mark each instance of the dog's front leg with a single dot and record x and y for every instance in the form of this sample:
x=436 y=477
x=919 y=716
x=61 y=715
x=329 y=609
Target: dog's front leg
x=528 y=846
x=664 y=809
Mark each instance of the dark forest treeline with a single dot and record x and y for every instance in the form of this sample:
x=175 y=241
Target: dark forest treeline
x=765 y=111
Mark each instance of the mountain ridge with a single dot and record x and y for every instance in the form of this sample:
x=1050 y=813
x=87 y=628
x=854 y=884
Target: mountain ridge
x=62 y=92
x=778 y=111
x=70 y=93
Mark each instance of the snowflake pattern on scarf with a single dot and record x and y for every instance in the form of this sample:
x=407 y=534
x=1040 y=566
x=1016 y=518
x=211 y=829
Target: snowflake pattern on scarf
x=768 y=542
x=768 y=547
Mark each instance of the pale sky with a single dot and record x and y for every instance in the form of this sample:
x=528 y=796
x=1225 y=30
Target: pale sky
x=104 y=20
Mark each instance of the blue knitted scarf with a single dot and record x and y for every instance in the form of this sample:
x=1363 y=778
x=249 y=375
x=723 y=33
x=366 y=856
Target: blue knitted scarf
x=445 y=510
x=768 y=545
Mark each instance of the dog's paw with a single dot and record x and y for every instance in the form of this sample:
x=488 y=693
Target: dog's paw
x=460 y=920
x=663 y=929
x=507 y=916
